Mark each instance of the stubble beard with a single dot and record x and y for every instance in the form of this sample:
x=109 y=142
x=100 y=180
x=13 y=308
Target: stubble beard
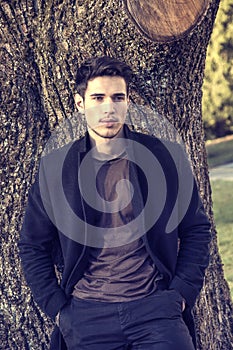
x=107 y=136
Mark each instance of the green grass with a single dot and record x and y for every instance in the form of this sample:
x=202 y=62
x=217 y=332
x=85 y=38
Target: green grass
x=223 y=215
x=220 y=152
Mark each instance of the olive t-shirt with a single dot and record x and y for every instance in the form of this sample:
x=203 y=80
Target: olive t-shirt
x=125 y=272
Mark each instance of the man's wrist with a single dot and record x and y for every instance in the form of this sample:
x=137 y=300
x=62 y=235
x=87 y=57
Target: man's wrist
x=57 y=318
x=183 y=304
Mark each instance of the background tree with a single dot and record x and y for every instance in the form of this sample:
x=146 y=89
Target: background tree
x=41 y=44
x=218 y=82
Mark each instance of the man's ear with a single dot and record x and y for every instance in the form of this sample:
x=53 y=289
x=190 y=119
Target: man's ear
x=79 y=102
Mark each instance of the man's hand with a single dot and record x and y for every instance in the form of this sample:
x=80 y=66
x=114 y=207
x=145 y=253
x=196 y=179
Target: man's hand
x=57 y=319
x=183 y=304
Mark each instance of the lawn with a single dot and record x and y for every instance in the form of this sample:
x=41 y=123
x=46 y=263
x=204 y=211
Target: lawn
x=223 y=214
x=220 y=151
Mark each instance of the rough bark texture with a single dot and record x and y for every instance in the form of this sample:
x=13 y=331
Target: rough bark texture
x=41 y=44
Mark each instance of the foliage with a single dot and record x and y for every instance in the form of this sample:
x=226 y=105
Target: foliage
x=218 y=82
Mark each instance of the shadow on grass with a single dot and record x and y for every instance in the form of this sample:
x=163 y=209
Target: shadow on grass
x=220 y=151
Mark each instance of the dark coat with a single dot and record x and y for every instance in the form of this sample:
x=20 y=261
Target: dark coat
x=181 y=255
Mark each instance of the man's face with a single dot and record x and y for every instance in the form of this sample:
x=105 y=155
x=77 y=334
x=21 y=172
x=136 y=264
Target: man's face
x=105 y=106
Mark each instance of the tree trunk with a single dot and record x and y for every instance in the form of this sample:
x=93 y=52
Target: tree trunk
x=42 y=42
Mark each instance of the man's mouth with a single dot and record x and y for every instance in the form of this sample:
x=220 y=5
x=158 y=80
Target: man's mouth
x=108 y=120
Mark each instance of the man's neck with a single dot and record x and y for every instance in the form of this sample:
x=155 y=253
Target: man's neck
x=107 y=148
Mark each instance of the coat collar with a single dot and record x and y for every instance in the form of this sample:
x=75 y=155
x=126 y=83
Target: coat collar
x=84 y=143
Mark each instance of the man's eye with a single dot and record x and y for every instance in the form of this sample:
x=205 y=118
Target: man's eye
x=98 y=98
x=119 y=98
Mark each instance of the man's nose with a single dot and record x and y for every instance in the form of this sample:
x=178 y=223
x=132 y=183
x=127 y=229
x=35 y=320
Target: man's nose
x=108 y=106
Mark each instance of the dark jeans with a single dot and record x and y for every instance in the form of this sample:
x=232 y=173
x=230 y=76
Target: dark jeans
x=154 y=322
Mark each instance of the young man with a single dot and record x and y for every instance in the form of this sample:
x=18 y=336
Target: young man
x=110 y=209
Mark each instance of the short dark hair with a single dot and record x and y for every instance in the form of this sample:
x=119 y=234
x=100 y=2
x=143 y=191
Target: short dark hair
x=101 y=66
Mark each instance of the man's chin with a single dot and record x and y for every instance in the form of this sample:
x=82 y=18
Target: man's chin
x=107 y=133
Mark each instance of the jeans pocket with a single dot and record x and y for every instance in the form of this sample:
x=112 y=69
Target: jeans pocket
x=177 y=298
x=64 y=318
x=177 y=295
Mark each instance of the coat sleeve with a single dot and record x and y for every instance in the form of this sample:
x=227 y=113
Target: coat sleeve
x=194 y=235
x=38 y=239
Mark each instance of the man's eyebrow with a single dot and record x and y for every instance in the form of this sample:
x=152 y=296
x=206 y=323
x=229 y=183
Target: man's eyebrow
x=101 y=94
x=119 y=94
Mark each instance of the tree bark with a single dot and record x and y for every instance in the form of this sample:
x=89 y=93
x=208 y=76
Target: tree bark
x=42 y=42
